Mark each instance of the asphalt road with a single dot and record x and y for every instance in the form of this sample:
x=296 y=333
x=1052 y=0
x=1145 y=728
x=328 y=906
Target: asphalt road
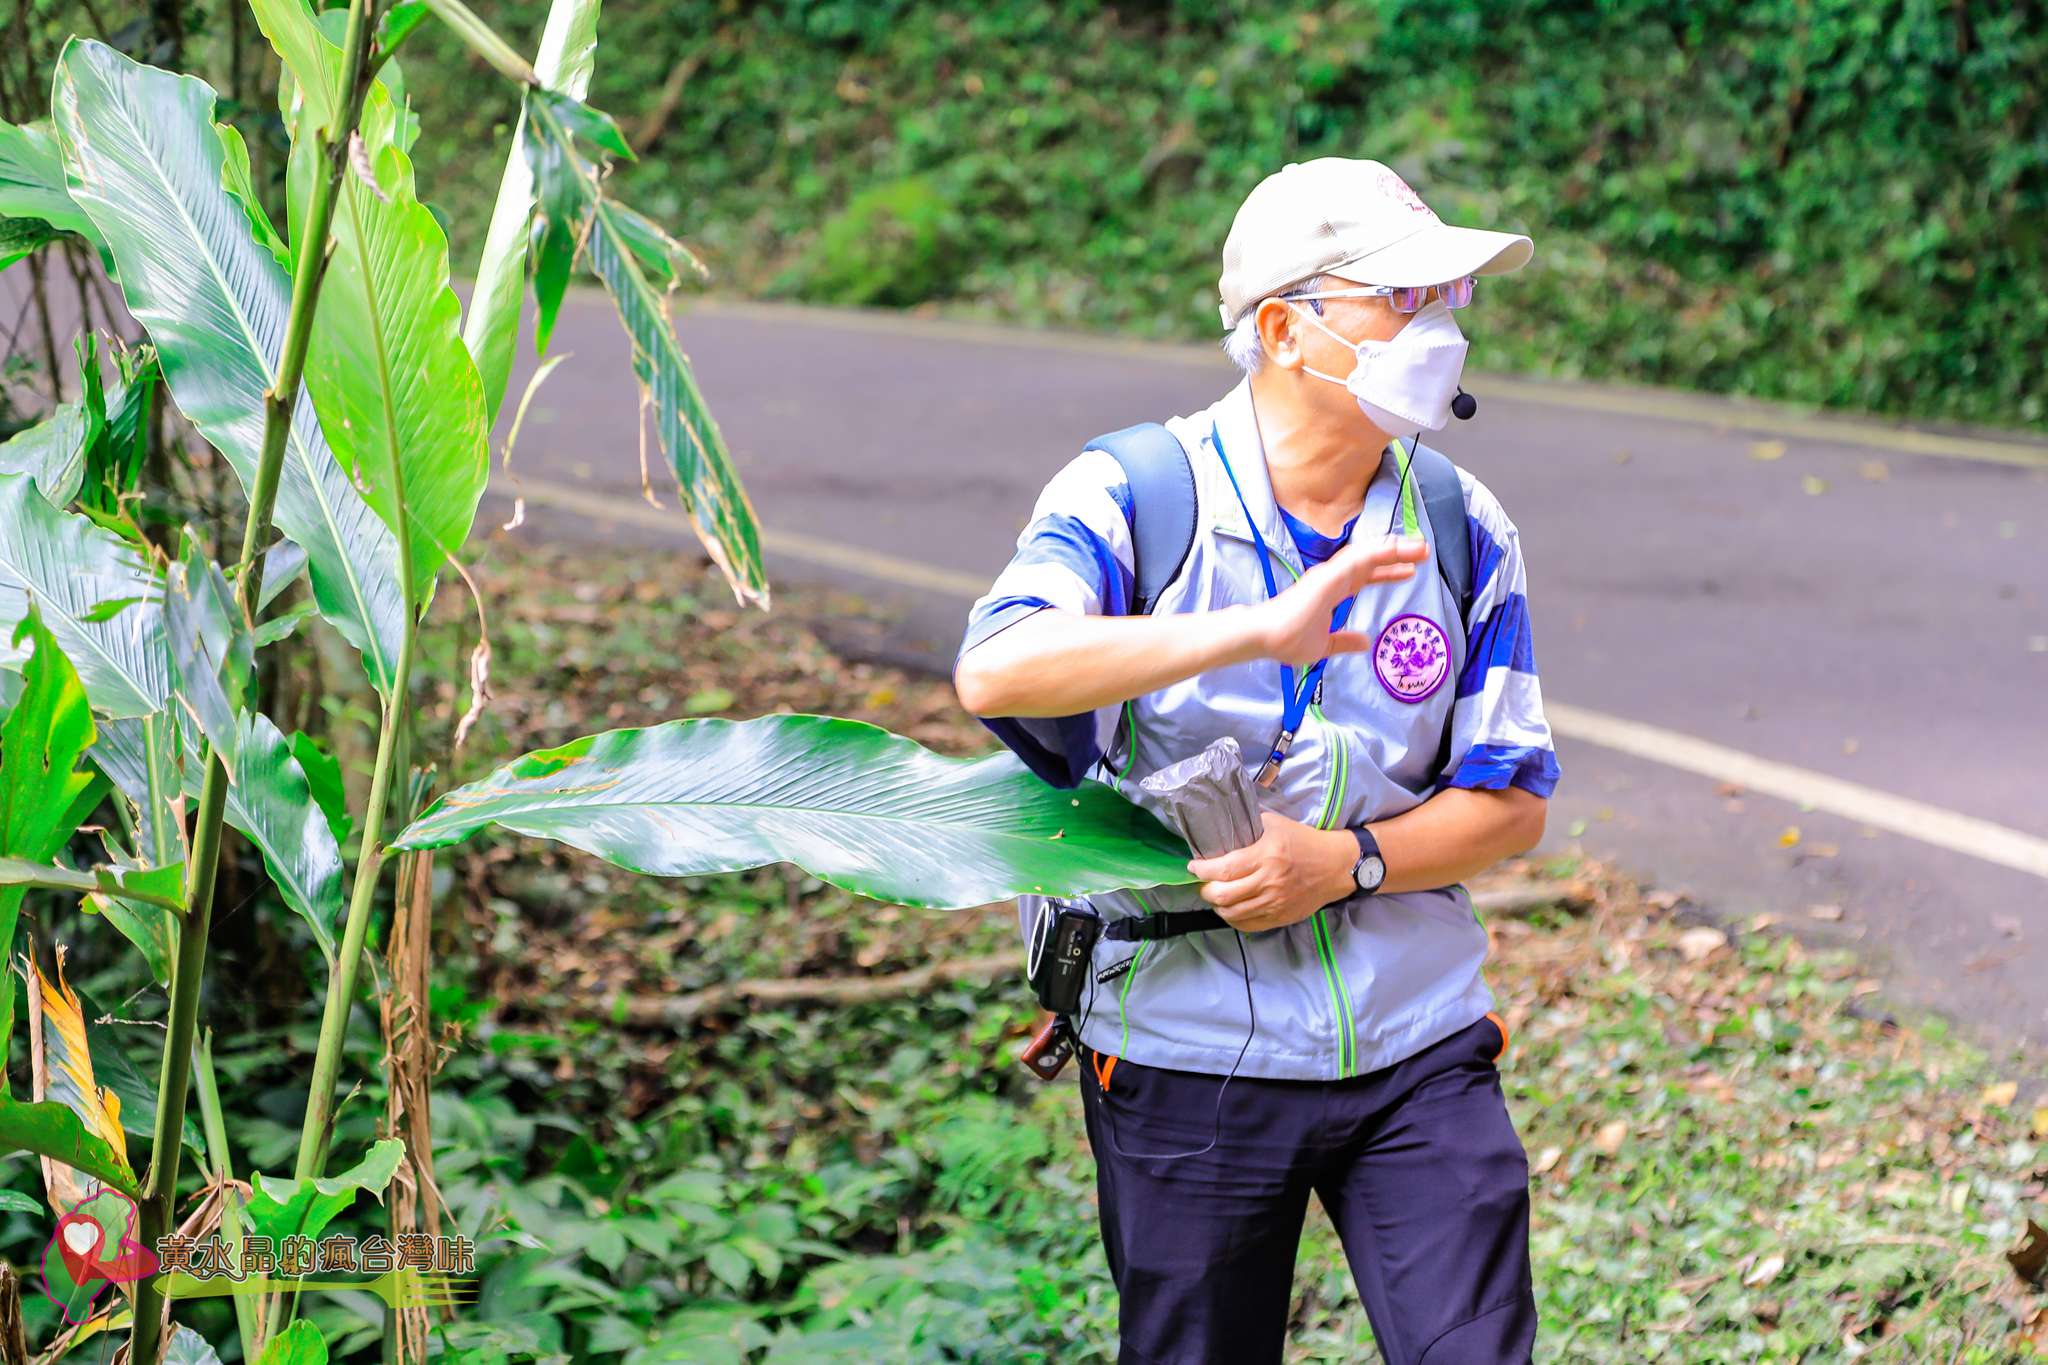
x=1850 y=638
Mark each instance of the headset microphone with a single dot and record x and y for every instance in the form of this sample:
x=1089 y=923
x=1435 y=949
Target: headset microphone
x=1463 y=406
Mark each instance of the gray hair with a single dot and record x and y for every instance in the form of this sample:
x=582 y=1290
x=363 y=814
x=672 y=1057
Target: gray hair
x=1242 y=344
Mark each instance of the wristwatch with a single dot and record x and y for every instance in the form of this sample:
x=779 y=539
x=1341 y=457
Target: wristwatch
x=1370 y=869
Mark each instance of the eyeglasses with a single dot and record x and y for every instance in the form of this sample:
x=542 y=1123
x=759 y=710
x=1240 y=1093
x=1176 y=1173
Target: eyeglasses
x=1403 y=298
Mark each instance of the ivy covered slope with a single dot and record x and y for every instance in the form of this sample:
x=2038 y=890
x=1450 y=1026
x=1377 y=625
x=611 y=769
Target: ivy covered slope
x=1839 y=203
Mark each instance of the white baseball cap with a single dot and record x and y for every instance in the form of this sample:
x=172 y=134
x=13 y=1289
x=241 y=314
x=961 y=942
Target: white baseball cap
x=1357 y=219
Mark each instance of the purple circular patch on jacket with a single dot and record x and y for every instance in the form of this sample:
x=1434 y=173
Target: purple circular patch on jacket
x=1412 y=657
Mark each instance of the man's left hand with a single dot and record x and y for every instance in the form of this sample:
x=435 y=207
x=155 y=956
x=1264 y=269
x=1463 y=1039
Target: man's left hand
x=1293 y=871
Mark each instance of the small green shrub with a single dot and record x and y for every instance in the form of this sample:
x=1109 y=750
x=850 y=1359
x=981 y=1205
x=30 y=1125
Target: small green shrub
x=894 y=245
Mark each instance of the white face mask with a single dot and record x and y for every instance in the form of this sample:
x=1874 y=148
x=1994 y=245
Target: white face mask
x=1407 y=382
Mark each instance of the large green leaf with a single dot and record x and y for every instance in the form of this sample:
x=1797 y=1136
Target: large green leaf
x=270 y=801
x=76 y=573
x=397 y=394
x=151 y=927
x=212 y=655
x=568 y=49
x=571 y=203
x=41 y=786
x=32 y=179
x=153 y=885
x=21 y=237
x=52 y=452
x=52 y=1130
x=862 y=808
x=281 y=1208
x=146 y=163
x=240 y=181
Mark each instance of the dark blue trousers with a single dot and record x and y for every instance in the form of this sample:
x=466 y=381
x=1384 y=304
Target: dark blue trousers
x=1418 y=1166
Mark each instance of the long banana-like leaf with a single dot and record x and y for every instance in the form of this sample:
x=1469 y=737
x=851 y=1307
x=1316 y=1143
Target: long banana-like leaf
x=240 y=181
x=270 y=801
x=52 y=452
x=212 y=654
x=568 y=49
x=106 y=611
x=717 y=505
x=61 y=1071
x=52 y=1131
x=21 y=237
x=41 y=786
x=151 y=927
x=145 y=162
x=851 y=803
x=32 y=178
x=396 y=391
x=705 y=477
x=92 y=590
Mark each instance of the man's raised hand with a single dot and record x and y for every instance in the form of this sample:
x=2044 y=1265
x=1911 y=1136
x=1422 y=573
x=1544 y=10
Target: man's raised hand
x=1294 y=627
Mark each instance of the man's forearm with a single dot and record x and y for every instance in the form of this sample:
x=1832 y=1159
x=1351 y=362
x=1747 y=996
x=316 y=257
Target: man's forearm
x=1453 y=836
x=1059 y=663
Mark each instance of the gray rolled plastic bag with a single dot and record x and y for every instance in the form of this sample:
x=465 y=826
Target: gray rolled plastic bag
x=1209 y=799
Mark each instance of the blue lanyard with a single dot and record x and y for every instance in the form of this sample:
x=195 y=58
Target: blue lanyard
x=1294 y=701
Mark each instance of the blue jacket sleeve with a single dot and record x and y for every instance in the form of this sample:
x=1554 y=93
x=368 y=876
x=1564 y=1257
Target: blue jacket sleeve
x=1074 y=555
x=1499 y=735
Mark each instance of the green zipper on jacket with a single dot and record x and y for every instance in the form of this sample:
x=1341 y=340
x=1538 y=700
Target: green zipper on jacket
x=1333 y=808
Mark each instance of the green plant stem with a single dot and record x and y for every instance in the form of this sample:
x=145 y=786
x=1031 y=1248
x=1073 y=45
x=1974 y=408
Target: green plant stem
x=317 y=1131
x=220 y=1162
x=480 y=38
x=160 y=1189
x=315 y=1135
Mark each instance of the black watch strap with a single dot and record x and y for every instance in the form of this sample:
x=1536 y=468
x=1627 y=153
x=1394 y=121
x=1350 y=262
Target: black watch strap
x=1368 y=847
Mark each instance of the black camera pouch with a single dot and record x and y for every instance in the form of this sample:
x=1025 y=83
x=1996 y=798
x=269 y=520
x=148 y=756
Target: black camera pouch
x=1062 y=947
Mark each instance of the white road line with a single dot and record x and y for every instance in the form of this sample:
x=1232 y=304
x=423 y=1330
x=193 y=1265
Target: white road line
x=1934 y=825
x=1959 y=833
x=632 y=510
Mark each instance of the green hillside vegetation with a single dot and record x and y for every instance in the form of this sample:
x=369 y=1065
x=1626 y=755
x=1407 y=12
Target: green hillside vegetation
x=1837 y=203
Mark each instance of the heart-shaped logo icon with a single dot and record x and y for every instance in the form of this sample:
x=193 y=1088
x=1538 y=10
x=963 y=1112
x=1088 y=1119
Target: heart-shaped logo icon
x=94 y=1246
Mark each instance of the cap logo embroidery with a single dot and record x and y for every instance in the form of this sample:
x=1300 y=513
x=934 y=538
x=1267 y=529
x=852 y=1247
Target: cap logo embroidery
x=1395 y=188
x=1412 y=657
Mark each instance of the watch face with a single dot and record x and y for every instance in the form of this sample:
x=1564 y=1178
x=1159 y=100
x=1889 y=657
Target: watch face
x=1370 y=873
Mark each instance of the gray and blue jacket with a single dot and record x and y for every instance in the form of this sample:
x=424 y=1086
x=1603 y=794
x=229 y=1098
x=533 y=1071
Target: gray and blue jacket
x=1370 y=980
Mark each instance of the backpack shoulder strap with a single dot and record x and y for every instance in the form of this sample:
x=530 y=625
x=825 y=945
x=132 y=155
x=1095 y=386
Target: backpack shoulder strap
x=1443 y=503
x=1450 y=543
x=1162 y=485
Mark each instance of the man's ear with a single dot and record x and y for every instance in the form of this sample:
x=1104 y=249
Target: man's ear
x=1278 y=333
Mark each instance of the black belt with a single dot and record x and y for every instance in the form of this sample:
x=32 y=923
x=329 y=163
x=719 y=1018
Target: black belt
x=1166 y=924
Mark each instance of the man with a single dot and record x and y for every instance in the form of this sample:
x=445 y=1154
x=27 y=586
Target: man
x=1334 y=1034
